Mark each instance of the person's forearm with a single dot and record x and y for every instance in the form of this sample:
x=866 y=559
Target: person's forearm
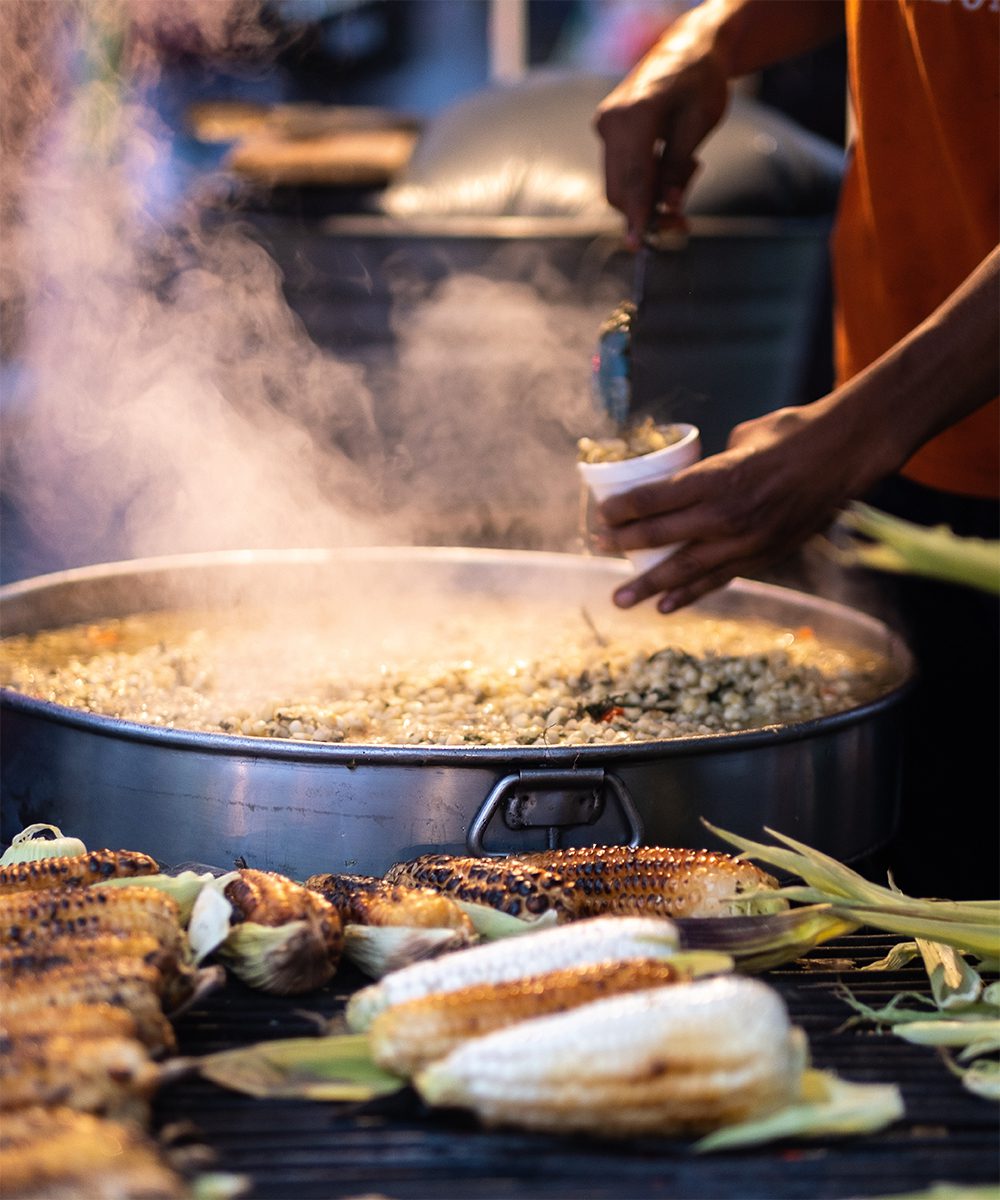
x=747 y=35
x=943 y=370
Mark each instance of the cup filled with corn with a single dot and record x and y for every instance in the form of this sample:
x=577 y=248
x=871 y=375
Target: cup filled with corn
x=640 y=454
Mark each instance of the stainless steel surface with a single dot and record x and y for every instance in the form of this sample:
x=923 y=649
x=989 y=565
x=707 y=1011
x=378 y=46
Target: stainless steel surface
x=305 y=807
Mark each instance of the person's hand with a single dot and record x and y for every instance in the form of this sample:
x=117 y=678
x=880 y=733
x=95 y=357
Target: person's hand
x=651 y=125
x=781 y=479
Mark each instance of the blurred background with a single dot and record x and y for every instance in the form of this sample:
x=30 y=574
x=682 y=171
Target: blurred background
x=313 y=272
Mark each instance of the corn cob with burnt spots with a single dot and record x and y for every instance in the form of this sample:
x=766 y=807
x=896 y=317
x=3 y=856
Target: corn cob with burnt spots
x=674 y=1060
x=603 y=939
x=60 y=1154
x=77 y=1020
x=134 y=986
x=77 y=870
x=520 y=889
x=106 y=1074
x=368 y=900
x=86 y=947
x=657 y=881
x=285 y=938
x=409 y=1036
x=32 y=919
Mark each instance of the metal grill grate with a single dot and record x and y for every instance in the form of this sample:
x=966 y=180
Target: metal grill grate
x=396 y=1148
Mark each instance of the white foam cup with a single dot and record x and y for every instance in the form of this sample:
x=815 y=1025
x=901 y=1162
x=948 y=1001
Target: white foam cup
x=606 y=479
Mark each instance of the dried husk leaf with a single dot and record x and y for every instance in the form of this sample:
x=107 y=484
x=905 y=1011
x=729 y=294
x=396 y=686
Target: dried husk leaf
x=828 y=1107
x=280 y=959
x=901 y=955
x=379 y=949
x=319 y=1068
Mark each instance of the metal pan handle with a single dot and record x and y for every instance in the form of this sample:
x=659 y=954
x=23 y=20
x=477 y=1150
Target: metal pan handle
x=553 y=801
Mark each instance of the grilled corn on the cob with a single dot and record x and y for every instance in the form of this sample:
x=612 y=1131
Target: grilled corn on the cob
x=33 y=918
x=105 y=1074
x=285 y=937
x=85 y=947
x=78 y=869
x=60 y=1154
x=656 y=881
x=130 y=985
x=78 y=1020
x=510 y=885
x=367 y=900
x=603 y=939
x=682 y=1059
x=409 y=1036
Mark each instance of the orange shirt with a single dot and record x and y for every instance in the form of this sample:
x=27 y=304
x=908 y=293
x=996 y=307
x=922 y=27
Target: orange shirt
x=920 y=207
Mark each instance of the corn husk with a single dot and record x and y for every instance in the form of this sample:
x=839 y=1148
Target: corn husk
x=954 y=983
x=491 y=924
x=907 y=548
x=29 y=846
x=922 y=1008
x=185 y=888
x=760 y=942
x=828 y=1107
x=379 y=949
x=949 y=1191
x=209 y=921
x=219 y=1185
x=899 y=956
x=282 y=960
x=972 y=926
x=339 y=1067
x=982 y=1078
x=973 y=1030
x=983 y=1034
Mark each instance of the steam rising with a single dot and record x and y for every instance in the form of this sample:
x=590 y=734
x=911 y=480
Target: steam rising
x=168 y=399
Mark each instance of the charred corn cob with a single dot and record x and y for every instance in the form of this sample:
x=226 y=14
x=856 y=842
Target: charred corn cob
x=78 y=1020
x=674 y=1060
x=33 y=918
x=85 y=947
x=367 y=900
x=285 y=937
x=60 y=1154
x=78 y=869
x=655 y=880
x=511 y=885
x=607 y=939
x=129 y=985
x=106 y=1074
x=409 y=1036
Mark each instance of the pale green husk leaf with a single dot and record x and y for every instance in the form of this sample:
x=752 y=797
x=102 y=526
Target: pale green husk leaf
x=936 y=551
x=969 y=926
x=829 y=1107
x=208 y=926
x=949 y=1032
x=379 y=949
x=491 y=924
x=950 y=1191
x=28 y=846
x=185 y=888
x=982 y=1078
x=338 y=1067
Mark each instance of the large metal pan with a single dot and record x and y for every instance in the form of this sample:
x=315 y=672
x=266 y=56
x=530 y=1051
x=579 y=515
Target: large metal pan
x=304 y=807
